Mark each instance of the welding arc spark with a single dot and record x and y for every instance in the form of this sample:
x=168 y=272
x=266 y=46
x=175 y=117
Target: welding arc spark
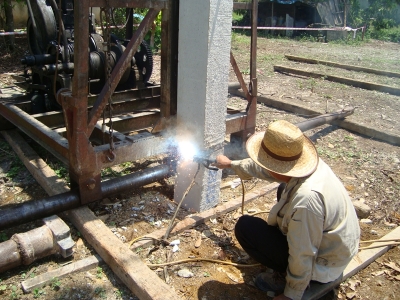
x=187 y=150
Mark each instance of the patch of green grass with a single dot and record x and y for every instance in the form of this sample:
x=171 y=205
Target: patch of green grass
x=239 y=38
x=101 y=292
x=328 y=153
x=14 y=294
x=60 y=170
x=55 y=284
x=99 y=272
x=15 y=169
x=5 y=150
x=119 y=294
x=37 y=293
x=349 y=138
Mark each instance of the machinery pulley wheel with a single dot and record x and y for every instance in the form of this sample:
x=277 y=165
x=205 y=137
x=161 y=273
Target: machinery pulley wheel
x=46 y=27
x=144 y=61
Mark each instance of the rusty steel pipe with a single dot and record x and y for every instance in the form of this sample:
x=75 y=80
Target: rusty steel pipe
x=325 y=119
x=12 y=215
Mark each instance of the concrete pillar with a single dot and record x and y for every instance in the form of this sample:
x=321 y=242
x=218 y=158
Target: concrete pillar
x=203 y=74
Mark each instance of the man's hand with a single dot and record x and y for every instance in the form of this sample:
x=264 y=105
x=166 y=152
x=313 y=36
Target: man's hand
x=282 y=297
x=222 y=162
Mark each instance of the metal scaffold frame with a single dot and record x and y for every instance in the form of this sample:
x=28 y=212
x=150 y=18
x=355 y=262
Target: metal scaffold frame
x=147 y=111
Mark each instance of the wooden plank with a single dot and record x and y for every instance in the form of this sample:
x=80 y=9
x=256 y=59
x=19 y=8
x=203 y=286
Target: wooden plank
x=365 y=257
x=342 y=66
x=388 y=137
x=142 y=281
x=359 y=262
x=355 y=83
x=42 y=173
x=43 y=279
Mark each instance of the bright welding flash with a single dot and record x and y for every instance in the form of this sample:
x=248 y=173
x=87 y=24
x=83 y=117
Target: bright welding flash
x=187 y=150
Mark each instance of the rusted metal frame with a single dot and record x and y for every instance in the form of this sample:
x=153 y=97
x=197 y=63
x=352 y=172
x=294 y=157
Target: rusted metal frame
x=169 y=64
x=239 y=77
x=55 y=119
x=84 y=170
x=136 y=94
x=165 y=64
x=252 y=107
x=24 y=105
x=134 y=122
x=98 y=135
x=52 y=119
x=127 y=123
x=46 y=137
x=156 y=4
x=119 y=69
x=136 y=106
x=145 y=145
x=236 y=122
x=246 y=124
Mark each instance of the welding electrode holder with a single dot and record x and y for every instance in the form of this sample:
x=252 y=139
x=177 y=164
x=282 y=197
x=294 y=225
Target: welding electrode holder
x=206 y=162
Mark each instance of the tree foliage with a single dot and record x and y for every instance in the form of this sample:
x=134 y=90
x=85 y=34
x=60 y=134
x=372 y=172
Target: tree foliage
x=382 y=14
x=138 y=15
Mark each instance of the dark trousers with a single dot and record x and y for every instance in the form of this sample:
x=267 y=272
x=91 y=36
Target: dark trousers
x=264 y=243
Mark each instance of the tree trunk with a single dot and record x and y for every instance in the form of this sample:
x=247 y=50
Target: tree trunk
x=9 y=24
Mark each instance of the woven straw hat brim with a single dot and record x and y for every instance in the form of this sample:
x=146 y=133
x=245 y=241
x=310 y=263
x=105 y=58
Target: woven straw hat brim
x=304 y=166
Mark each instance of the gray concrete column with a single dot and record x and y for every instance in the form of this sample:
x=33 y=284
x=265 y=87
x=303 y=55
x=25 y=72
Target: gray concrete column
x=203 y=74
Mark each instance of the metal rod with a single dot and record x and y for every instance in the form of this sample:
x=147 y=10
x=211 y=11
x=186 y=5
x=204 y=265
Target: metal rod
x=12 y=215
x=298 y=28
x=324 y=119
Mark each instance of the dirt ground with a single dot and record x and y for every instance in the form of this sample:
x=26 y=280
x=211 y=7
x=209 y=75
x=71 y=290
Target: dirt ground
x=370 y=170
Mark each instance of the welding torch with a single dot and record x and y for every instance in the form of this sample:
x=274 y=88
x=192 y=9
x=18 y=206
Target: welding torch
x=204 y=160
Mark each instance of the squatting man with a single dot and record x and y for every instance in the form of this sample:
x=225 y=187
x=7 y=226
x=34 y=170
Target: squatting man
x=312 y=232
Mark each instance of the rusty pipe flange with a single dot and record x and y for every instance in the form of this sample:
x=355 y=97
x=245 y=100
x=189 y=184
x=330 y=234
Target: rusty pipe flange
x=34 y=244
x=9 y=255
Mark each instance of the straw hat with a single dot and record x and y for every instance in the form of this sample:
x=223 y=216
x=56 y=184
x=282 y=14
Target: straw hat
x=283 y=149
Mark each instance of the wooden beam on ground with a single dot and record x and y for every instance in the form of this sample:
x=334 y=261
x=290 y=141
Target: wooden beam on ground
x=142 y=281
x=348 y=81
x=389 y=137
x=359 y=262
x=342 y=66
x=42 y=173
x=78 y=266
